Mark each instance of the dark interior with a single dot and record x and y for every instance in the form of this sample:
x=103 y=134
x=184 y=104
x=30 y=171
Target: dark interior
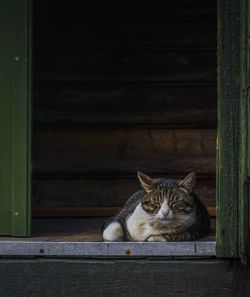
x=119 y=86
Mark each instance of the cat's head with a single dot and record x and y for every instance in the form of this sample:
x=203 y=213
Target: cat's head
x=168 y=200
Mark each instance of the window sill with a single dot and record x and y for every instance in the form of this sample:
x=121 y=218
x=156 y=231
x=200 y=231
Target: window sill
x=82 y=237
x=20 y=247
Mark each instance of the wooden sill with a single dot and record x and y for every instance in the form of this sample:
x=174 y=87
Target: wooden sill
x=81 y=237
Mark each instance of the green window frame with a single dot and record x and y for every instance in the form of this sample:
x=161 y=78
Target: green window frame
x=15 y=123
x=233 y=162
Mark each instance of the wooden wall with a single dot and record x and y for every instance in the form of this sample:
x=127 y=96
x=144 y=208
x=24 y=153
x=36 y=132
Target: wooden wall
x=116 y=277
x=121 y=87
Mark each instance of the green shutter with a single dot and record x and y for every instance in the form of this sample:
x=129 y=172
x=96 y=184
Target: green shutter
x=233 y=167
x=15 y=117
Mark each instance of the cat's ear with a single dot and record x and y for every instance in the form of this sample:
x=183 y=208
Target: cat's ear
x=146 y=182
x=188 y=183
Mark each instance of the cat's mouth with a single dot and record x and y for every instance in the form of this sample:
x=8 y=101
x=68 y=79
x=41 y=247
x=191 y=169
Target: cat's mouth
x=166 y=221
x=161 y=222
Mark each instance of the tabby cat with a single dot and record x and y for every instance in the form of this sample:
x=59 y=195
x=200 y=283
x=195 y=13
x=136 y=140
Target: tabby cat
x=165 y=210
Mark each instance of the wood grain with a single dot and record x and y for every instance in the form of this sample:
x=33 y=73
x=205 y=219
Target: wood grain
x=119 y=66
x=124 y=151
x=124 y=143
x=109 y=278
x=57 y=163
x=97 y=11
x=190 y=118
x=127 y=105
x=123 y=97
x=127 y=34
x=98 y=191
x=86 y=211
x=119 y=89
x=229 y=103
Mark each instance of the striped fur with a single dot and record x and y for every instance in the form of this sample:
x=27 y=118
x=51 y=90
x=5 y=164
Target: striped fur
x=165 y=210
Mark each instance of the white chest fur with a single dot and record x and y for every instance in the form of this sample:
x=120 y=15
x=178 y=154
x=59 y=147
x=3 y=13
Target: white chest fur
x=138 y=224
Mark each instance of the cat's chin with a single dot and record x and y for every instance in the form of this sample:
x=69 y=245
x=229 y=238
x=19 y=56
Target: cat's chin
x=166 y=222
x=161 y=223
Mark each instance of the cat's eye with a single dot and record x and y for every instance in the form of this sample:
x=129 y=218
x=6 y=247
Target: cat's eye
x=150 y=206
x=179 y=205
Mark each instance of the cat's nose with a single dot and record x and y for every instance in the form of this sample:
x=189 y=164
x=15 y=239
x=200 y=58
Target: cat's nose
x=165 y=212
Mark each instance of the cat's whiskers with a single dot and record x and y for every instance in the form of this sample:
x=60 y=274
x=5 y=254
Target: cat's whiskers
x=163 y=223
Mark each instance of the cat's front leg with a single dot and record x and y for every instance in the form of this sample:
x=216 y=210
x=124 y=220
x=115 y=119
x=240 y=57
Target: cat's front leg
x=156 y=238
x=184 y=236
x=113 y=232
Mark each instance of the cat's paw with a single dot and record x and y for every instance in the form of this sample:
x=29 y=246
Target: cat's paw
x=113 y=232
x=156 y=238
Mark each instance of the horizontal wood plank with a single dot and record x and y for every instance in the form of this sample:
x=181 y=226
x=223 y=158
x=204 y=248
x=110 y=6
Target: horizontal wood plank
x=127 y=34
x=86 y=211
x=108 y=82
x=124 y=66
x=58 y=163
x=127 y=105
x=98 y=192
x=123 y=97
x=112 y=278
x=123 y=143
x=189 y=118
x=124 y=151
x=94 y=11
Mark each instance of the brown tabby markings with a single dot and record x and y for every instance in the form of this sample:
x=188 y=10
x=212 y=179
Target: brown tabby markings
x=186 y=218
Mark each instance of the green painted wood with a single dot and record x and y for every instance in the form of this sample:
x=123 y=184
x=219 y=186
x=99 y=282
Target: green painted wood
x=5 y=123
x=244 y=194
x=15 y=118
x=233 y=163
x=228 y=129
x=114 y=277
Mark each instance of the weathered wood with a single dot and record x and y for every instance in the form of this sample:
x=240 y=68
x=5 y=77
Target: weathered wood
x=15 y=124
x=55 y=163
x=115 y=278
x=105 y=249
x=128 y=105
x=190 y=118
x=94 y=127
x=244 y=159
x=123 y=143
x=97 y=11
x=241 y=280
x=50 y=211
x=97 y=191
x=125 y=151
x=86 y=211
x=228 y=129
x=120 y=97
x=119 y=66
x=140 y=34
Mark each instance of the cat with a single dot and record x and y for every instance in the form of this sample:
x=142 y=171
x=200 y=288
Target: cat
x=165 y=210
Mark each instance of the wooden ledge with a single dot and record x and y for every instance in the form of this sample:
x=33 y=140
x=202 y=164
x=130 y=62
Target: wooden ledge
x=29 y=247
x=82 y=237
